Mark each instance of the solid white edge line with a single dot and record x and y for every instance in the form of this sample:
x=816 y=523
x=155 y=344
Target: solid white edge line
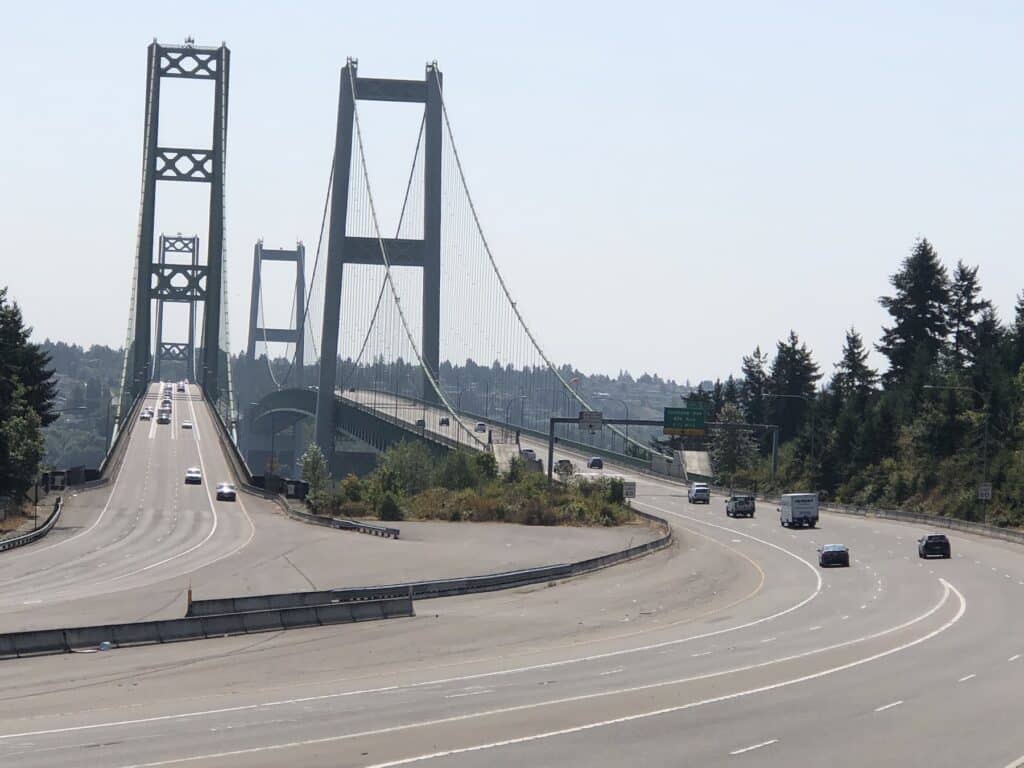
x=965 y=678
x=947 y=588
x=752 y=747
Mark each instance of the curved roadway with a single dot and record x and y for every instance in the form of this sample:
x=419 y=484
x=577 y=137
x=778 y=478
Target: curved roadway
x=732 y=648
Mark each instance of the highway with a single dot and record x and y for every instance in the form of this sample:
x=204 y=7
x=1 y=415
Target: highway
x=731 y=648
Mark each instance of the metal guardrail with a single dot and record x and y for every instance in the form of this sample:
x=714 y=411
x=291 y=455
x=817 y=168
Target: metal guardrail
x=27 y=538
x=343 y=523
x=422 y=590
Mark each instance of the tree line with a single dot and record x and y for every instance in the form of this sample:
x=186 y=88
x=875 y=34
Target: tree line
x=946 y=415
x=27 y=400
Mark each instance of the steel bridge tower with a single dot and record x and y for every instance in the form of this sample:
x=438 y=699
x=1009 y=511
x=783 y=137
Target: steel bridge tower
x=157 y=279
x=294 y=336
x=344 y=249
x=178 y=285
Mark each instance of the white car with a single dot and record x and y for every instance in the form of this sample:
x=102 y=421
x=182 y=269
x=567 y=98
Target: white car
x=225 y=492
x=480 y=427
x=146 y=415
x=186 y=425
x=193 y=476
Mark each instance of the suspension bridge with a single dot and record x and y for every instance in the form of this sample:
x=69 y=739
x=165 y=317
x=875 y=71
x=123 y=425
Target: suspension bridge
x=409 y=332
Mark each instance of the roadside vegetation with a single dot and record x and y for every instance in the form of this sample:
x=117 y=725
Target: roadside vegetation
x=947 y=415
x=27 y=396
x=412 y=484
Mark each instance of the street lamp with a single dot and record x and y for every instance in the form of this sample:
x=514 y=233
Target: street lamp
x=984 y=399
x=522 y=398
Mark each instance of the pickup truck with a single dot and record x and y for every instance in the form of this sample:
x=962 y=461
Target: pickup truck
x=740 y=505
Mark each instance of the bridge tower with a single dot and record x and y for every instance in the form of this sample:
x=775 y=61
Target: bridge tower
x=178 y=286
x=296 y=335
x=402 y=252
x=156 y=279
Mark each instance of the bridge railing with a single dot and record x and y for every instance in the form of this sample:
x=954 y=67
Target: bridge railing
x=27 y=538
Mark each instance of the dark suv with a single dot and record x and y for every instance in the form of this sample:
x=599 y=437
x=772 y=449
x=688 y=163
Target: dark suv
x=740 y=505
x=933 y=544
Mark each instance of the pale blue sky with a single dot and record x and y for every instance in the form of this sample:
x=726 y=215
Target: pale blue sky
x=665 y=184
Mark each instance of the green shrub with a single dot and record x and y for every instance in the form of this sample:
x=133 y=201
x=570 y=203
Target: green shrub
x=352 y=488
x=388 y=509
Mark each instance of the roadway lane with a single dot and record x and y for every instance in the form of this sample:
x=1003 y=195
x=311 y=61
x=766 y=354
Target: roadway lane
x=731 y=648
x=550 y=678
x=149 y=527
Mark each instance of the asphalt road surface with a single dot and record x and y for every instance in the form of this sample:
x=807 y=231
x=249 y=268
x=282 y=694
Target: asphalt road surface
x=731 y=648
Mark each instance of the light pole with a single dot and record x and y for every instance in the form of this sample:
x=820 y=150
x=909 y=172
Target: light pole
x=522 y=398
x=984 y=439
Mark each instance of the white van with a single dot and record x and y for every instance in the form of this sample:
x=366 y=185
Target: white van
x=798 y=509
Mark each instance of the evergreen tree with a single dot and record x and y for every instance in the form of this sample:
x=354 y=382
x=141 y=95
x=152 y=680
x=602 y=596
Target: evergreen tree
x=732 y=447
x=731 y=391
x=21 y=442
x=1017 y=334
x=754 y=386
x=965 y=308
x=920 y=326
x=792 y=382
x=853 y=376
x=22 y=360
x=717 y=399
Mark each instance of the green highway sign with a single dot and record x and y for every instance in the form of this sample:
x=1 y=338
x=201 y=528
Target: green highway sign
x=688 y=421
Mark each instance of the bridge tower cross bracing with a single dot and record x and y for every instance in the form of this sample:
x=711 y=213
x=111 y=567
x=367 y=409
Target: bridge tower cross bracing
x=178 y=282
x=344 y=249
x=163 y=163
x=296 y=335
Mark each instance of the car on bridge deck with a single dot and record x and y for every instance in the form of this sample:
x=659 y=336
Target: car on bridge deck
x=181 y=386
x=564 y=467
x=193 y=476
x=740 y=505
x=225 y=492
x=933 y=544
x=444 y=422
x=833 y=554
x=480 y=427
x=595 y=462
x=528 y=454
x=146 y=415
x=421 y=423
x=699 y=493
x=186 y=424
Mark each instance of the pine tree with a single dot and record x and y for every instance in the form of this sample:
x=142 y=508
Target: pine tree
x=920 y=326
x=22 y=360
x=731 y=391
x=853 y=375
x=732 y=447
x=754 y=386
x=794 y=376
x=1017 y=335
x=965 y=308
x=21 y=442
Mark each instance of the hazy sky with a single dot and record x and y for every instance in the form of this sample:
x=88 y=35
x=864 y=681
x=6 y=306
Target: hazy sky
x=665 y=185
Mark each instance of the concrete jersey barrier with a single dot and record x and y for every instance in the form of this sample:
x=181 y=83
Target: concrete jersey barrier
x=76 y=639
